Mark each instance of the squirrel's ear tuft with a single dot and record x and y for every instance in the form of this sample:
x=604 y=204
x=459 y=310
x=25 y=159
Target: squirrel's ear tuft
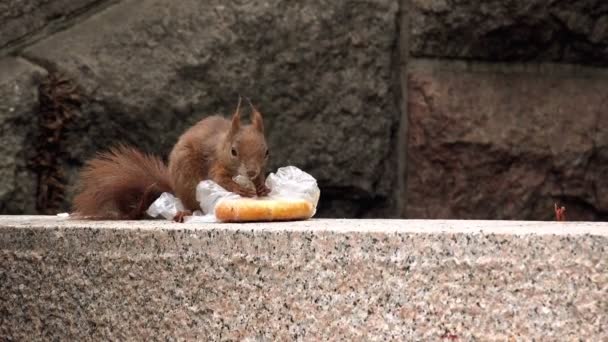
x=236 y=119
x=256 y=118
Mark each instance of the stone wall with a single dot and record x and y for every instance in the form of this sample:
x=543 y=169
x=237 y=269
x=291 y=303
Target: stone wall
x=511 y=30
x=431 y=109
x=18 y=126
x=501 y=142
x=23 y=21
x=506 y=106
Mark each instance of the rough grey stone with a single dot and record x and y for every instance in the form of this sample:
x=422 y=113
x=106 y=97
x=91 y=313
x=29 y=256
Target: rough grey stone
x=18 y=126
x=507 y=145
x=320 y=71
x=20 y=19
x=497 y=30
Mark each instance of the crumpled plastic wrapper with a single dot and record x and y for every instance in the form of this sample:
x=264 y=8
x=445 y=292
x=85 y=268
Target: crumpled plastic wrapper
x=289 y=183
x=166 y=206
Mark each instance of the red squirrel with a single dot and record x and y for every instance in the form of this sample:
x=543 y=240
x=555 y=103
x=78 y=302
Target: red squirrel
x=123 y=183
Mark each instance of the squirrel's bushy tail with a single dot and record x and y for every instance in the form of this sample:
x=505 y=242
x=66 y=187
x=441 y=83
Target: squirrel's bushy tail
x=120 y=184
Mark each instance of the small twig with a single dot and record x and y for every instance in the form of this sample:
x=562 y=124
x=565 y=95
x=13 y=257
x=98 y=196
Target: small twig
x=560 y=212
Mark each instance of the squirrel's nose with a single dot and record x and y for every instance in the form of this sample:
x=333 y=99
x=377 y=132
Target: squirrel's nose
x=252 y=174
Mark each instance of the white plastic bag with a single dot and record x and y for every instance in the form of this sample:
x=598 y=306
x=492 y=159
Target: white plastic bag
x=209 y=194
x=287 y=183
x=166 y=206
x=292 y=183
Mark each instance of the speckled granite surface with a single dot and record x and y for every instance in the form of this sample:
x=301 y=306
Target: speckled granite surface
x=311 y=281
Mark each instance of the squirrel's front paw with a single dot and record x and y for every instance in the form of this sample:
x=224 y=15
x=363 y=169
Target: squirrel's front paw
x=245 y=192
x=179 y=217
x=262 y=190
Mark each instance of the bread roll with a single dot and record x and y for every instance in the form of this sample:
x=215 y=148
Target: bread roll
x=251 y=210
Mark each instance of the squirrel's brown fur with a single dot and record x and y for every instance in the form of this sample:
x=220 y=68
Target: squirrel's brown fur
x=122 y=183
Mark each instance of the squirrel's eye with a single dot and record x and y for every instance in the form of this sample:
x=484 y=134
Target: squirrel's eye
x=233 y=151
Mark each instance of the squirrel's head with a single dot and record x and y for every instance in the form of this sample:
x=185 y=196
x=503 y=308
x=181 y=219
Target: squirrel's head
x=245 y=148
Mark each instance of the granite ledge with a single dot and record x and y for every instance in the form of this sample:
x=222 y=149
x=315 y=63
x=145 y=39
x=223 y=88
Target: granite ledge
x=313 y=280
x=330 y=225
